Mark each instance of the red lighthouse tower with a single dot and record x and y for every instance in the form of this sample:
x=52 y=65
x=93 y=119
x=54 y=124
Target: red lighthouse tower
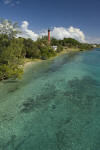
x=49 y=36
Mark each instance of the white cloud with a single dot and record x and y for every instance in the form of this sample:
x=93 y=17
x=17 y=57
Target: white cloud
x=57 y=32
x=6 y=26
x=27 y=33
x=11 y=2
x=71 y=32
x=61 y=32
x=7 y=1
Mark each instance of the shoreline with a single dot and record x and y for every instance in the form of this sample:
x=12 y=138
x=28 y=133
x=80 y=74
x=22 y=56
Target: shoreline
x=68 y=50
x=28 y=61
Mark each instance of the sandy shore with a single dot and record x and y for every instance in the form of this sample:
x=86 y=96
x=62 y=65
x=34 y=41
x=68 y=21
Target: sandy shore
x=69 y=50
x=28 y=62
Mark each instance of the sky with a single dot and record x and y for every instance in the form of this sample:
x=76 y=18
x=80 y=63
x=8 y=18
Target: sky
x=79 y=19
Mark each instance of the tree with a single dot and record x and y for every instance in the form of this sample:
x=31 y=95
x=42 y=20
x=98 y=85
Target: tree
x=9 y=28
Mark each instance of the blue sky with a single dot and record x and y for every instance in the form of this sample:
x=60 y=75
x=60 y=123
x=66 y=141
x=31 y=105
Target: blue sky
x=41 y=14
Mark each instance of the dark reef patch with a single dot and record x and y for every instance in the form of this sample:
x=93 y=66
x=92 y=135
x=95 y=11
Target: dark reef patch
x=13 y=90
x=47 y=95
x=7 y=117
x=10 y=144
x=64 y=139
x=82 y=92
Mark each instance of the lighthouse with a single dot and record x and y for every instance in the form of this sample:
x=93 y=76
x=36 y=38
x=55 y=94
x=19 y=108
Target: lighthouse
x=48 y=36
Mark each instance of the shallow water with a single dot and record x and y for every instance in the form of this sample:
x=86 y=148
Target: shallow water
x=55 y=106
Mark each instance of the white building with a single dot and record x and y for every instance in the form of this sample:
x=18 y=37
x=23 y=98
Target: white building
x=94 y=45
x=55 y=47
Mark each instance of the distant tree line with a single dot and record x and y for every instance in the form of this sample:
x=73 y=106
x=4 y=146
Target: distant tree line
x=97 y=45
x=71 y=43
x=13 y=50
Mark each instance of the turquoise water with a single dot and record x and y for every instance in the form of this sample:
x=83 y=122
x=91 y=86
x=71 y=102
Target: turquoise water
x=55 y=106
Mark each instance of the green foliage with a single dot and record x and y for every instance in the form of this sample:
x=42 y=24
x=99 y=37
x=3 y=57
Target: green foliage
x=55 y=42
x=47 y=52
x=70 y=43
x=10 y=71
x=12 y=52
x=31 y=49
x=60 y=48
x=85 y=46
x=97 y=45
